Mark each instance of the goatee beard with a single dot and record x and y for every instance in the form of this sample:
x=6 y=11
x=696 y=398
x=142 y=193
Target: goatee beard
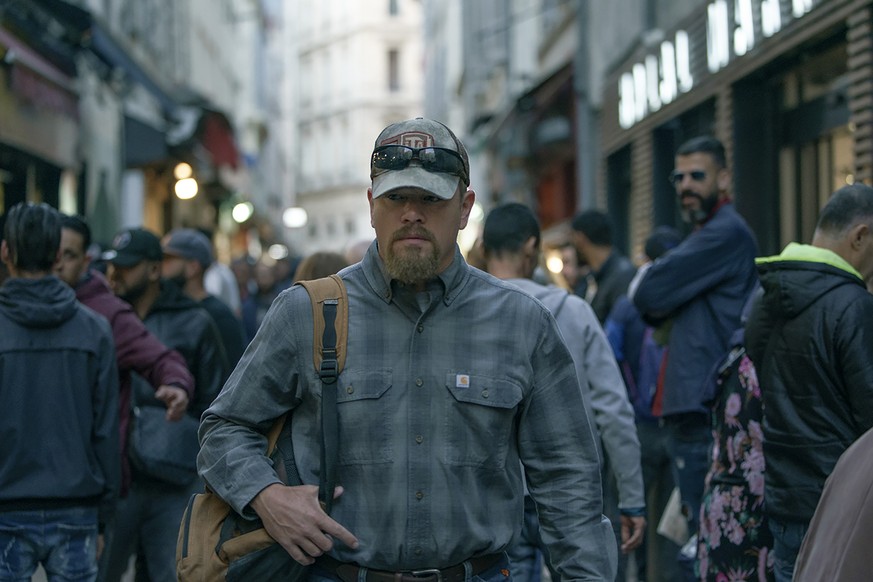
x=412 y=265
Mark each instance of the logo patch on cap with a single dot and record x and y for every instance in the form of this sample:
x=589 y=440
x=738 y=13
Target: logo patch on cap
x=122 y=240
x=411 y=139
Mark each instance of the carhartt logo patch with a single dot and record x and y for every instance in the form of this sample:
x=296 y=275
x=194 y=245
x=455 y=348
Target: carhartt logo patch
x=462 y=381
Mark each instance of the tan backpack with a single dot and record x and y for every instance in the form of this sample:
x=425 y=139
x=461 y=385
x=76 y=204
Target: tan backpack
x=215 y=543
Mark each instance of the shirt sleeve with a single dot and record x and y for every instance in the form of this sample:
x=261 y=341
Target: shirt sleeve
x=613 y=415
x=139 y=350
x=557 y=448
x=262 y=387
x=105 y=433
x=700 y=263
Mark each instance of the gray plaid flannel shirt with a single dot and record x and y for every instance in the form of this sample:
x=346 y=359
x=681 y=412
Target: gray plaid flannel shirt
x=442 y=394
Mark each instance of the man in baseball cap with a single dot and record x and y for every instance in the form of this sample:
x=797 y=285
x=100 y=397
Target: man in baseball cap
x=476 y=368
x=131 y=246
x=419 y=198
x=134 y=266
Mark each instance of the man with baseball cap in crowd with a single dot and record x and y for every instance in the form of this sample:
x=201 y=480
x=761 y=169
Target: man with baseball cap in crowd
x=148 y=519
x=187 y=255
x=454 y=383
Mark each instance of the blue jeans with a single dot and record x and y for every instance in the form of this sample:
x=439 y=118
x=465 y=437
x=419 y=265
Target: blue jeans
x=525 y=557
x=64 y=541
x=787 y=537
x=689 y=444
x=499 y=572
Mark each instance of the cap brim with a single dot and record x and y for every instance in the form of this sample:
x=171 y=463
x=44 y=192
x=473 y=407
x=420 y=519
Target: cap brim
x=439 y=184
x=121 y=259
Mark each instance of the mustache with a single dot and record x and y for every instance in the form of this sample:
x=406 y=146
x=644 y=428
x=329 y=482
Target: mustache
x=690 y=194
x=410 y=231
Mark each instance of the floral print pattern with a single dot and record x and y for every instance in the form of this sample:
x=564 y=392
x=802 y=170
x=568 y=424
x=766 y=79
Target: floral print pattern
x=734 y=540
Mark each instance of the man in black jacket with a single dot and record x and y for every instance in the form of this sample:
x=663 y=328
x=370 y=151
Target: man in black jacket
x=148 y=519
x=810 y=339
x=59 y=470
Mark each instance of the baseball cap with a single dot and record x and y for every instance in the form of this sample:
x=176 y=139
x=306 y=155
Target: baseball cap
x=189 y=244
x=132 y=246
x=421 y=133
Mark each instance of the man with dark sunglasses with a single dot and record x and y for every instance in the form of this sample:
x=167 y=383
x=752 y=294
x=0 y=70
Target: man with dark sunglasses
x=701 y=285
x=454 y=383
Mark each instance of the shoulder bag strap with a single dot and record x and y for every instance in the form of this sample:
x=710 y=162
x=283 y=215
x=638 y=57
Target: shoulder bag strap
x=329 y=358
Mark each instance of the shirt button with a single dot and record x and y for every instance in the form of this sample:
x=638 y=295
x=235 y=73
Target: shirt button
x=419 y=382
x=419 y=439
x=417 y=551
x=419 y=495
x=350 y=389
x=420 y=328
x=484 y=394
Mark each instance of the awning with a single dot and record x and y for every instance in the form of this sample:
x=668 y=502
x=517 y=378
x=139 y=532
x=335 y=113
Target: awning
x=95 y=36
x=37 y=80
x=216 y=135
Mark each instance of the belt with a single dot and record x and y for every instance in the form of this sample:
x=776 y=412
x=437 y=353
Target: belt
x=349 y=572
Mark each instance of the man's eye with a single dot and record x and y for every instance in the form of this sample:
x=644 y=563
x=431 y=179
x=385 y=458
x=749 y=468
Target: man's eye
x=394 y=197
x=432 y=199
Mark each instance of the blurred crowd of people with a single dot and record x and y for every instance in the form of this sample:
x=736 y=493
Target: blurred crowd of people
x=717 y=390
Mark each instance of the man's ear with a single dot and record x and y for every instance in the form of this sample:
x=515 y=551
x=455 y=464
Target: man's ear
x=530 y=246
x=723 y=178
x=4 y=252
x=857 y=234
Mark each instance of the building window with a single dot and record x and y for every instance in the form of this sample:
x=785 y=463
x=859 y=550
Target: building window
x=394 y=70
x=393 y=7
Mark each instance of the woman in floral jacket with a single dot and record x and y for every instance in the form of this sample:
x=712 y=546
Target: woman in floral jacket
x=734 y=540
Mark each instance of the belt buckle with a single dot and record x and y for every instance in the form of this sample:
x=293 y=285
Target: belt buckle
x=428 y=573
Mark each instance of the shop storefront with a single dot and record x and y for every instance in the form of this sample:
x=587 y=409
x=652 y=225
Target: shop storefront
x=38 y=126
x=787 y=85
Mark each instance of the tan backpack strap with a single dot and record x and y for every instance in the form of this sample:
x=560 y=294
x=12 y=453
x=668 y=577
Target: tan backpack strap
x=328 y=289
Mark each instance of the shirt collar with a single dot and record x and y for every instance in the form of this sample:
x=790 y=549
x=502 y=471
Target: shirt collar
x=449 y=282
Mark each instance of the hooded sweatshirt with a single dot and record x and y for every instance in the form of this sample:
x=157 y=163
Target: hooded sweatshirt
x=59 y=397
x=811 y=341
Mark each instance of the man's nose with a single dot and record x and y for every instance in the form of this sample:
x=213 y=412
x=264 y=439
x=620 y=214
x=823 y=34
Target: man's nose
x=412 y=211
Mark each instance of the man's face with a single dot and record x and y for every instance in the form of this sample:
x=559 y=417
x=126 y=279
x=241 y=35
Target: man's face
x=698 y=182
x=130 y=283
x=570 y=268
x=175 y=269
x=74 y=262
x=417 y=231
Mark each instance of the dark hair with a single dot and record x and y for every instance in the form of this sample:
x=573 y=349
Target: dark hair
x=662 y=240
x=846 y=207
x=77 y=224
x=508 y=227
x=596 y=225
x=705 y=144
x=318 y=265
x=33 y=236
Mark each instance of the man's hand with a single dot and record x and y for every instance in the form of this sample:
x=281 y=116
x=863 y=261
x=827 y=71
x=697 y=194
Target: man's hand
x=632 y=531
x=294 y=518
x=175 y=399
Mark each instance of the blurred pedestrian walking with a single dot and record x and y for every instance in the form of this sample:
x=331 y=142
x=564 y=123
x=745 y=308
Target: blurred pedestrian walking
x=511 y=241
x=810 y=339
x=187 y=256
x=59 y=471
x=701 y=287
x=148 y=519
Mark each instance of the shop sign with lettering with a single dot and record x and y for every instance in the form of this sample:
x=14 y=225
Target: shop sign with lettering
x=733 y=29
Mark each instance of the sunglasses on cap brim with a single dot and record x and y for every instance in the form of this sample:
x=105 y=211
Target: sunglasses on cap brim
x=397 y=157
